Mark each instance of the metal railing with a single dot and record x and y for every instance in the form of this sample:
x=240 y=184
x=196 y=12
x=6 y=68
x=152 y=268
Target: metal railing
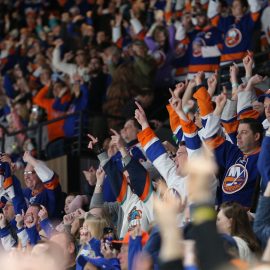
x=81 y=129
x=262 y=66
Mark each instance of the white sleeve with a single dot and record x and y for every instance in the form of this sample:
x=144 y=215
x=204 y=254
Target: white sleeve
x=229 y=110
x=116 y=33
x=137 y=26
x=43 y=171
x=210 y=51
x=213 y=8
x=180 y=4
x=245 y=100
x=167 y=169
x=255 y=5
x=180 y=33
x=212 y=126
x=8 y=242
x=23 y=237
x=69 y=69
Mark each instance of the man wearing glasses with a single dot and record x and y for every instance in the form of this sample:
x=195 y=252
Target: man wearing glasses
x=42 y=185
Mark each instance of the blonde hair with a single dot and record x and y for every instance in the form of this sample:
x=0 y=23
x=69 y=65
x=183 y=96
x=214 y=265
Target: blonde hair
x=96 y=226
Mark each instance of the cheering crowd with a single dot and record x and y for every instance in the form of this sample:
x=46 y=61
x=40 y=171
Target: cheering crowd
x=199 y=201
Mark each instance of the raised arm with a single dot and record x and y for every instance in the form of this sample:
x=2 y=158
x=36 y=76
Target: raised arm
x=157 y=154
x=139 y=177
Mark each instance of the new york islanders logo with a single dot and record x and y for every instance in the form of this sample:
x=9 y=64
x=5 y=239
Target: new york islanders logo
x=197 y=45
x=233 y=37
x=134 y=217
x=235 y=179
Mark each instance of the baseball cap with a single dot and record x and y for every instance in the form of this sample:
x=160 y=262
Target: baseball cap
x=125 y=240
x=262 y=97
x=102 y=263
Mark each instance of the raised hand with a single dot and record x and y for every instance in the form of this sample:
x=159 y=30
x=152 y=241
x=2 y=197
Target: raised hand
x=68 y=219
x=256 y=79
x=140 y=116
x=248 y=62
x=220 y=103
x=58 y=43
x=180 y=88
x=43 y=213
x=27 y=157
x=19 y=218
x=100 y=174
x=29 y=220
x=137 y=231
x=107 y=251
x=117 y=140
x=191 y=83
x=241 y=87
x=79 y=213
x=234 y=70
x=176 y=103
x=199 y=77
x=92 y=141
x=212 y=83
x=221 y=100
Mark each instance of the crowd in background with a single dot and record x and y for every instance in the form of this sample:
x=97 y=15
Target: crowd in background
x=198 y=202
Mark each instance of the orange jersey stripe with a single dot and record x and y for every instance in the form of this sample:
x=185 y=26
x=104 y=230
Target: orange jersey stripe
x=215 y=143
x=146 y=136
x=204 y=101
x=53 y=183
x=147 y=187
x=232 y=56
x=188 y=127
x=123 y=190
x=231 y=127
x=255 y=16
x=249 y=114
x=8 y=182
x=174 y=118
x=205 y=68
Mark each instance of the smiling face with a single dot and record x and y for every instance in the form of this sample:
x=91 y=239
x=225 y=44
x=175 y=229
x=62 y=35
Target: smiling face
x=31 y=179
x=85 y=233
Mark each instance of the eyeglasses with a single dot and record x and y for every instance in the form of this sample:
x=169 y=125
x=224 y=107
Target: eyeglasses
x=28 y=172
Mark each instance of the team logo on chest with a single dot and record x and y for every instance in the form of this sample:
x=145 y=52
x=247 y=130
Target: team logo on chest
x=235 y=179
x=233 y=37
x=134 y=218
x=197 y=45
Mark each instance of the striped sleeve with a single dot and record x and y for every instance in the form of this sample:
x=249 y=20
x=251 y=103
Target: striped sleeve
x=244 y=105
x=204 y=101
x=175 y=123
x=139 y=179
x=192 y=139
x=117 y=180
x=157 y=154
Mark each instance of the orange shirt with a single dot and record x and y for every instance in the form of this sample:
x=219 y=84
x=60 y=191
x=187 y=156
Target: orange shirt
x=55 y=130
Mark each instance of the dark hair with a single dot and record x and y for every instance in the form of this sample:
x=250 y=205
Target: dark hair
x=240 y=226
x=244 y=3
x=255 y=126
x=136 y=124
